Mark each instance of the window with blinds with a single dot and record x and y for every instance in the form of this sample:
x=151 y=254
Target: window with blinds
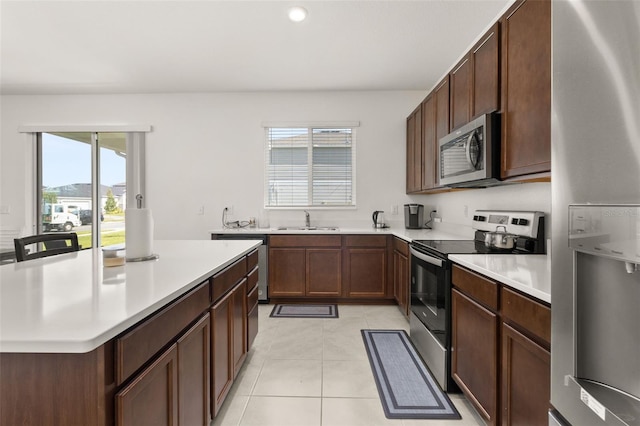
x=310 y=167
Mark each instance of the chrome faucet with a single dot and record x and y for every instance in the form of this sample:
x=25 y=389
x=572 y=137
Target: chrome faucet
x=307 y=219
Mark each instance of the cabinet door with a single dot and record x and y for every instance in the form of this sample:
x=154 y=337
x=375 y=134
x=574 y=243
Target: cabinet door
x=526 y=370
x=414 y=151
x=324 y=272
x=287 y=272
x=194 y=348
x=221 y=352
x=366 y=272
x=152 y=397
x=401 y=281
x=442 y=108
x=239 y=325
x=461 y=92
x=486 y=71
x=474 y=355
x=441 y=99
x=526 y=88
x=429 y=144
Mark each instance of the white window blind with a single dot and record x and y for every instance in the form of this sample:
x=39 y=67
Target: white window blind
x=310 y=167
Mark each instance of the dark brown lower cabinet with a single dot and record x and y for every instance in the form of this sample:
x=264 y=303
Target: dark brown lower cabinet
x=366 y=272
x=221 y=355
x=323 y=272
x=154 y=373
x=287 y=273
x=401 y=272
x=252 y=307
x=474 y=363
x=194 y=366
x=525 y=380
x=500 y=358
x=152 y=397
x=239 y=325
x=173 y=390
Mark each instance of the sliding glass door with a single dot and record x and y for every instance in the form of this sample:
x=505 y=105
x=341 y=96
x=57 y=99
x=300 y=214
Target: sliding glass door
x=82 y=185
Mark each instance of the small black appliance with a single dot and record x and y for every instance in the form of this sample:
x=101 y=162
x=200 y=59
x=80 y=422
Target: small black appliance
x=413 y=216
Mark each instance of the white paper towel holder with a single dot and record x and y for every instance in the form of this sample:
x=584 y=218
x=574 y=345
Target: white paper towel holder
x=152 y=256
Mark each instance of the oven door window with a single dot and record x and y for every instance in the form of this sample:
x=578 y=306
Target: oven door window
x=428 y=297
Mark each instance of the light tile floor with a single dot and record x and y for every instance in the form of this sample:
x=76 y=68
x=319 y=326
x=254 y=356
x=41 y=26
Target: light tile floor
x=315 y=372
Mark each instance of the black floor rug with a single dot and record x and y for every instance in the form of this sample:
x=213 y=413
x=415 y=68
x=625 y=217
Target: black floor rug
x=304 y=311
x=407 y=389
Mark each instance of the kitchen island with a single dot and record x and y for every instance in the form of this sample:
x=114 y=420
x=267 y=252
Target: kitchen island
x=84 y=344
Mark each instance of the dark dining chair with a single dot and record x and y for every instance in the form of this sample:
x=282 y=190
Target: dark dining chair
x=56 y=243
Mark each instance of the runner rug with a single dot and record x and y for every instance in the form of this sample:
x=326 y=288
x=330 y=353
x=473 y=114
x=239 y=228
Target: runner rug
x=304 y=311
x=406 y=388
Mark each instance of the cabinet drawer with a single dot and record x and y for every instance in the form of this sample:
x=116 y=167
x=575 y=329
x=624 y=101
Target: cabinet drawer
x=226 y=279
x=304 y=241
x=252 y=297
x=401 y=246
x=527 y=313
x=478 y=287
x=365 y=240
x=252 y=279
x=252 y=326
x=252 y=260
x=140 y=344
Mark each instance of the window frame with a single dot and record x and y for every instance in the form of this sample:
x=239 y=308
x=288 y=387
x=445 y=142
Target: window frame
x=135 y=168
x=310 y=127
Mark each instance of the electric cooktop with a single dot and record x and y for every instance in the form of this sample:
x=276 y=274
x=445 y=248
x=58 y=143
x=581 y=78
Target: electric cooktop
x=529 y=226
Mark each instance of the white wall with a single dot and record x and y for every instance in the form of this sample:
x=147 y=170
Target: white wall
x=207 y=150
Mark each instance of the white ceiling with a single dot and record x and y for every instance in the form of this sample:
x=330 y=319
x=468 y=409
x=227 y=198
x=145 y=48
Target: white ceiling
x=141 y=46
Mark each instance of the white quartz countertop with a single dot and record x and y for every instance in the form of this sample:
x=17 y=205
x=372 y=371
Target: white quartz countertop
x=529 y=273
x=70 y=303
x=405 y=234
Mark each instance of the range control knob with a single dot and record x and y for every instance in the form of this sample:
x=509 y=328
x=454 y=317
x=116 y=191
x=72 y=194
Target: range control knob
x=514 y=221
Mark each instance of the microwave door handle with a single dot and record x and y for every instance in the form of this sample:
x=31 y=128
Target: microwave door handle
x=467 y=150
x=432 y=260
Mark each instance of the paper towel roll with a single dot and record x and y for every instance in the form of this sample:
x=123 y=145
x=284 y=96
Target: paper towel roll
x=138 y=233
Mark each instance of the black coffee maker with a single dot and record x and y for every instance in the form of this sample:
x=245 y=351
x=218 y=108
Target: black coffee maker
x=413 y=216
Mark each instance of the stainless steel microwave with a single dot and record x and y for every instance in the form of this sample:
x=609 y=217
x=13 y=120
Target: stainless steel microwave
x=469 y=156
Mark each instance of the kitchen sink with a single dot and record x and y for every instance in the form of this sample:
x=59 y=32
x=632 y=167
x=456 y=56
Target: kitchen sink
x=308 y=228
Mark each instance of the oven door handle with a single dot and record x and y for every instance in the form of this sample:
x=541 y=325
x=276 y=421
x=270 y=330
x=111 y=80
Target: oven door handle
x=432 y=260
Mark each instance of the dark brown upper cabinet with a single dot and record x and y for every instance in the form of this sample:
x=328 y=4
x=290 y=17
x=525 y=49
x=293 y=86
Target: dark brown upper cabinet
x=414 y=151
x=461 y=91
x=526 y=89
x=485 y=59
x=475 y=80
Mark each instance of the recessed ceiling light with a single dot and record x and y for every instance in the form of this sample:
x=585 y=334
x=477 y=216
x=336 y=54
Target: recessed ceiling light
x=297 y=14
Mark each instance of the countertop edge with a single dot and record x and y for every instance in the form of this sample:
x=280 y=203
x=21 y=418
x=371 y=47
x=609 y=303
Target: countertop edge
x=534 y=292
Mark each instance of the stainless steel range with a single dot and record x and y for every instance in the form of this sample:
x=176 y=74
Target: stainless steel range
x=430 y=318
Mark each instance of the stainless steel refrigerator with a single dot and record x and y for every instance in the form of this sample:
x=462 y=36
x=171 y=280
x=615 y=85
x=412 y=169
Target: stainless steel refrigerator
x=595 y=213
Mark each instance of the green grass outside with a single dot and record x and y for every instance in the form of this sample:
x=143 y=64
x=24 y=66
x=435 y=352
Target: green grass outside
x=84 y=239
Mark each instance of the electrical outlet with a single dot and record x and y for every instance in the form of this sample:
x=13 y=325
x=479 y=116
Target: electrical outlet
x=466 y=211
x=230 y=210
x=201 y=210
x=394 y=209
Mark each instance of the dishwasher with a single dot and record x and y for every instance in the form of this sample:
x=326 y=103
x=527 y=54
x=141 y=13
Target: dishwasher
x=263 y=260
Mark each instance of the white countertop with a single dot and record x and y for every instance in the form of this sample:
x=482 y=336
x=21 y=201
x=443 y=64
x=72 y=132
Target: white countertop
x=70 y=303
x=529 y=273
x=405 y=234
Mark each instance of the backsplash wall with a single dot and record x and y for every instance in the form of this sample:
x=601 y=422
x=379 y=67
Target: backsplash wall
x=206 y=151
x=456 y=208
